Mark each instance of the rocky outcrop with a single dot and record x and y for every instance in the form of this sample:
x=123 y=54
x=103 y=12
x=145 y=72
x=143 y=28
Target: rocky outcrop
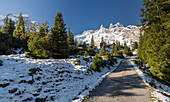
x=111 y=26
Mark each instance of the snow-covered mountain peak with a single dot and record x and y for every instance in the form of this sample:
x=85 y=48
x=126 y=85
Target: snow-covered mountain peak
x=115 y=33
x=111 y=26
x=118 y=25
x=101 y=27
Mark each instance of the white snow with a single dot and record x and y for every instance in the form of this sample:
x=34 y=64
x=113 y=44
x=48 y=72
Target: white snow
x=59 y=80
x=1 y=17
x=1 y=23
x=19 y=50
x=159 y=88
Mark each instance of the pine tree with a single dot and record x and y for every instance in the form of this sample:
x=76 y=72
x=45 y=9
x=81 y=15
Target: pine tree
x=11 y=26
x=59 y=38
x=96 y=63
x=71 y=39
x=92 y=41
x=68 y=36
x=86 y=54
x=135 y=46
x=126 y=48
x=112 y=50
x=103 y=52
x=21 y=21
x=84 y=46
x=102 y=41
x=32 y=33
x=139 y=55
x=155 y=46
x=19 y=32
x=116 y=49
x=75 y=42
x=38 y=42
x=5 y=27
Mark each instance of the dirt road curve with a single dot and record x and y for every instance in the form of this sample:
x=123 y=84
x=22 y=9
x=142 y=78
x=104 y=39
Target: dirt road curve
x=122 y=85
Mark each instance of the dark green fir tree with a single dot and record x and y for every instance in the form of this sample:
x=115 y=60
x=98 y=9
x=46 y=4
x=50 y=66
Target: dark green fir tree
x=5 y=27
x=125 y=48
x=11 y=27
x=112 y=50
x=154 y=47
x=84 y=46
x=59 y=38
x=19 y=32
x=92 y=41
x=116 y=49
x=103 y=52
x=71 y=39
x=135 y=46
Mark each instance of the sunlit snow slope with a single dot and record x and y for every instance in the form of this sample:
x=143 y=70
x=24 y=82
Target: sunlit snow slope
x=114 y=33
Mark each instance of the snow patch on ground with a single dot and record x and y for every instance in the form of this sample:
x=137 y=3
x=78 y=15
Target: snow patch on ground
x=104 y=74
x=158 y=87
x=59 y=80
x=18 y=51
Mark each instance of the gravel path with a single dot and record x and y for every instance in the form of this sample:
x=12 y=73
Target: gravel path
x=122 y=85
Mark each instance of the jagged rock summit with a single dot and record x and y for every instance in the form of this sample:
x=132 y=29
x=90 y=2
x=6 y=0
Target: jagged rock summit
x=114 y=33
x=14 y=17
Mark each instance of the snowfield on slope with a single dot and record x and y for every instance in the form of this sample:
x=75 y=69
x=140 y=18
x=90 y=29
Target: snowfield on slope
x=59 y=80
x=114 y=33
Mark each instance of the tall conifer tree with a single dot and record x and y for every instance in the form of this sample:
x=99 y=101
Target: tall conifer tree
x=71 y=39
x=19 y=32
x=116 y=48
x=112 y=50
x=103 y=52
x=125 y=48
x=11 y=26
x=92 y=41
x=154 y=47
x=59 y=37
x=68 y=36
x=84 y=46
x=5 y=27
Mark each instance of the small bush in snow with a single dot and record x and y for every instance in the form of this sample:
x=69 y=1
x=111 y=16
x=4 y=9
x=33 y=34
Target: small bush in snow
x=76 y=63
x=27 y=54
x=97 y=63
x=91 y=51
x=86 y=54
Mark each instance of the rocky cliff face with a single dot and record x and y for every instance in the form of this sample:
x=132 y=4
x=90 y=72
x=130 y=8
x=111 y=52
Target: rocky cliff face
x=14 y=17
x=115 y=33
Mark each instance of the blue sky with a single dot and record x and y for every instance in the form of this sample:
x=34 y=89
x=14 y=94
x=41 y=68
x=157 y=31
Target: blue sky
x=79 y=15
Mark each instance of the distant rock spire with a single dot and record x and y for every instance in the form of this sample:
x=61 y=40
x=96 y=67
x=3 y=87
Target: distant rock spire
x=118 y=25
x=101 y=27
x=111 y=26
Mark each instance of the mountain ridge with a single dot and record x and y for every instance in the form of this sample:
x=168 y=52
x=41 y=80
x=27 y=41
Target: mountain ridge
x=116 y=32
